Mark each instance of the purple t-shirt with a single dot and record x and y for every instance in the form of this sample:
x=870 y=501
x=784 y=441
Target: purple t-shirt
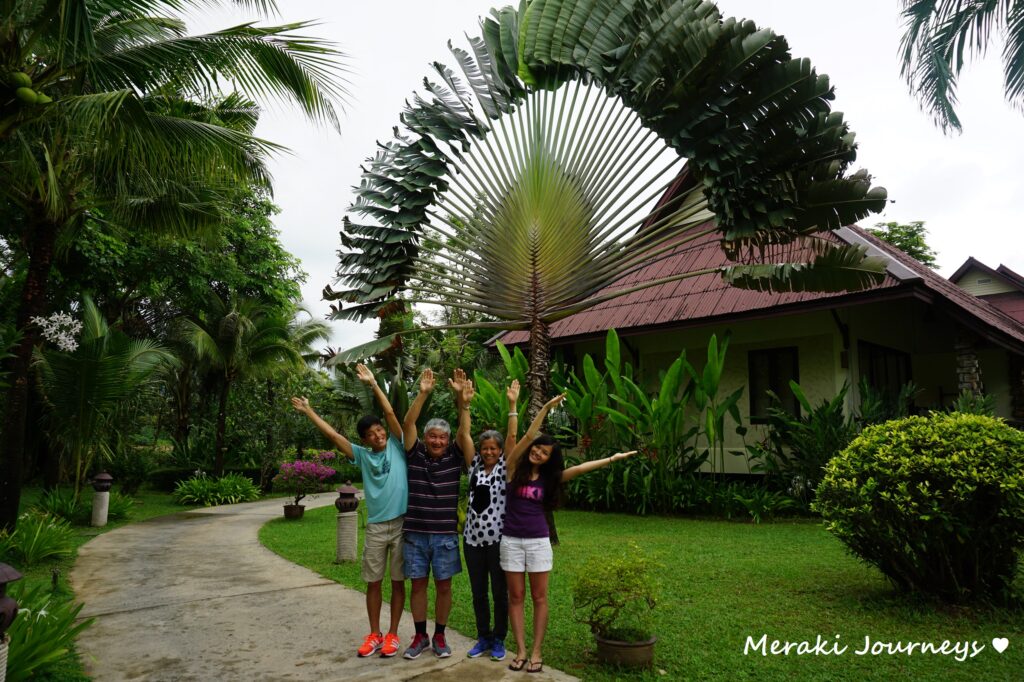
x=524 y=511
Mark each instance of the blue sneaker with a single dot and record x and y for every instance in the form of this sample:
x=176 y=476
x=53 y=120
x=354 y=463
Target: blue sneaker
x=482 y=646
x=497 y=650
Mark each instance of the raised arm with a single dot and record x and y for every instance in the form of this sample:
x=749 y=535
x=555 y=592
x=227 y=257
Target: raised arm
x=366 y=376
x=512 y=429
x=513 y=457
x=339 y=441
x=409 y=424
x=593 y=465
x=464 y=393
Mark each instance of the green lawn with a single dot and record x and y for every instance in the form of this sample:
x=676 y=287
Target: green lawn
x=720 y=583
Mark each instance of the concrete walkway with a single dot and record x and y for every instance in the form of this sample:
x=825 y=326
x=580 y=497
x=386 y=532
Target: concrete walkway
x=194 y=596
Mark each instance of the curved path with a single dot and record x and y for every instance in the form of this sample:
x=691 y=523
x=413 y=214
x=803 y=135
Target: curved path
x=194 y=596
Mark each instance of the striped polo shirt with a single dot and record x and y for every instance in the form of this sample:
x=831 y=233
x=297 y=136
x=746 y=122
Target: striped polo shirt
x=433 y=490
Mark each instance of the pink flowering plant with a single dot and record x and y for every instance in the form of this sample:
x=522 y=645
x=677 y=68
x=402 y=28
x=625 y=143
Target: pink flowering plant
x=302 y=477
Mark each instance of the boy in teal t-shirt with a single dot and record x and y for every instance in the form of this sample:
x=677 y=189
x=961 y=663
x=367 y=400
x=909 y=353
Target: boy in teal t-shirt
x=381 y=459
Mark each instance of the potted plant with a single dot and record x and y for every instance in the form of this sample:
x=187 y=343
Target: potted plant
x=302 y=477
x=615 y=596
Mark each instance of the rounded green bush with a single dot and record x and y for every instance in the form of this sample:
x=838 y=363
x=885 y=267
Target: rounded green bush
x=936 y=503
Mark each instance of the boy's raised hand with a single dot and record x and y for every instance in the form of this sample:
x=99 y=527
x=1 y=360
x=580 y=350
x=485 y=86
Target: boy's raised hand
x=427 y=381
x=301 y=404
x=364 y=374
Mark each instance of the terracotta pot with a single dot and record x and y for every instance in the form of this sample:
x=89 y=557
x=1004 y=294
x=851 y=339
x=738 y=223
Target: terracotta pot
x=294 y=511
x=632 y=654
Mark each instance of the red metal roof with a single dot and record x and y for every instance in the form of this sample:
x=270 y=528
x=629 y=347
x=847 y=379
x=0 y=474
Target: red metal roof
x=706 y=299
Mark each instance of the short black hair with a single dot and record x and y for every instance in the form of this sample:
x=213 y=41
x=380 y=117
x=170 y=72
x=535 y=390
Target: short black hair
x=366 y=423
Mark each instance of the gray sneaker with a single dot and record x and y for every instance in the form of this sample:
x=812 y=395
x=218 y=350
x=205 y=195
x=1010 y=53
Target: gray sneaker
x=419 y=643
x=441 y=648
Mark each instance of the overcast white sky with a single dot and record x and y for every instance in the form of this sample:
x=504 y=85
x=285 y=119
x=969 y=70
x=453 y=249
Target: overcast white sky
x=967 y=188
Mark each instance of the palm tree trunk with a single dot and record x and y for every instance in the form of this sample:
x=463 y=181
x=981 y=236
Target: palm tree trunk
x=539 y=379
x=222 y=419
x=43 y=235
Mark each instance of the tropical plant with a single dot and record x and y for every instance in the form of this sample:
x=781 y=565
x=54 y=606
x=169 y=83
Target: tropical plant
x=879 y=405
x=547 y=158
x=120 y=506
x=798 y=447
x=85 y=391
x=40 y=537
x=123 y=119
x=934 y=503
x=614 y=595
x=43 y=633
x=62 y=503
x=969 y=402
x=303 y=477
x=761 y=503
x=210 y=492
x=240 y=337
x=938 y=37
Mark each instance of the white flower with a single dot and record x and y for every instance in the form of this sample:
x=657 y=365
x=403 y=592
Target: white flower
x=60 y=329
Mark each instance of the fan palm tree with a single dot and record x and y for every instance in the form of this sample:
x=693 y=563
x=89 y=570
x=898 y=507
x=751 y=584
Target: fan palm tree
x=939 y=35
x=86 y=390
x=542 y=165
x=131 y=128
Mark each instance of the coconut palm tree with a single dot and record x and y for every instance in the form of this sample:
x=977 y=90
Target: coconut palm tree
x=243 y=337
x=85 y=391
x=110 y=110
x=535 y=174
x=938 y=37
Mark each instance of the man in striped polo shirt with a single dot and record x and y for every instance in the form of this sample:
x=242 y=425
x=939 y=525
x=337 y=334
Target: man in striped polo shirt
x=435 y=466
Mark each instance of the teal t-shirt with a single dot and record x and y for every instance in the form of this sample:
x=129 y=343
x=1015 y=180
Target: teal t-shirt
x=385 y=483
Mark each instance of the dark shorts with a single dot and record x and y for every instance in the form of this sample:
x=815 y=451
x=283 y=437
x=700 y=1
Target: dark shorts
x=426 y=553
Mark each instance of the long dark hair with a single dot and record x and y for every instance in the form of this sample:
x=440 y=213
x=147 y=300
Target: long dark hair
x=550 y=471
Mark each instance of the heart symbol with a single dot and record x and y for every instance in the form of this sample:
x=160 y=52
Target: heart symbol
x=1000 y=644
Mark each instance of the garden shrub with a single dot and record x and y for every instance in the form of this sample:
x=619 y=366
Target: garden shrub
x=210 y=492
x=43 y=632
x=131 y=466
x=62 y=503
x=38 y=536
x=936 y=503
x=120 y=506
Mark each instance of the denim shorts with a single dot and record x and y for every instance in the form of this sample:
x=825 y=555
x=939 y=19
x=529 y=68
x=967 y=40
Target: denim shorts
x=431 y=552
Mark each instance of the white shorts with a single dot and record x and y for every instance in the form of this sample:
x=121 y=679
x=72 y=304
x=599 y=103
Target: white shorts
x=526 y=555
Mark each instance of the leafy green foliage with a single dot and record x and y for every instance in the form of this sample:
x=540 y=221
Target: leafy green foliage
x=210 y=492
x=614 y=596
x=120 y=506
x=938 y=37
x=935 y=503
x=797 y=448
x=677 y=428
x=969 y=402
x=38 y=537
x=43 y=632
x=130 y=465
x=908 y=238
x=62 y=503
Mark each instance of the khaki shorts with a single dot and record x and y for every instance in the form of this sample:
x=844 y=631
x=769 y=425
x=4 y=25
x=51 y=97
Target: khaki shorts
x=379 y=540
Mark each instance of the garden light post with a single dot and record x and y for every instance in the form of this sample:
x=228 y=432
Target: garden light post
x=348 y=524
x=101 y=484
x=8 y=612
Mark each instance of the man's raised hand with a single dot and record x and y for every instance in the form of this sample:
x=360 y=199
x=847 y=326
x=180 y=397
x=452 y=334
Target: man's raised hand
x=457 y=382
x=301 y=404
x=364 y=374
x=427 y=381
x=622 y=455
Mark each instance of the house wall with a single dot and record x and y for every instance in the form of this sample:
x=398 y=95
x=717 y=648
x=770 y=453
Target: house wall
x=907 y=325
x=969 y=282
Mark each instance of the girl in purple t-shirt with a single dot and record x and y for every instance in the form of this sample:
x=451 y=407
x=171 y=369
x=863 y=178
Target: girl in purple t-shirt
x=535 y=473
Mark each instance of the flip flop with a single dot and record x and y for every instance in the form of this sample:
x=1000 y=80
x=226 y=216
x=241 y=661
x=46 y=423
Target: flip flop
x=535 y=667
x=517 y=664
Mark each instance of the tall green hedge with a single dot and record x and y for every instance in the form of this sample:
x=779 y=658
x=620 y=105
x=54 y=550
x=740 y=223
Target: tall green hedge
x=936 y=503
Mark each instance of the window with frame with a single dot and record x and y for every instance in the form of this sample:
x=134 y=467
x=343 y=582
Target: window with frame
x=885 y=369
x=771 y=369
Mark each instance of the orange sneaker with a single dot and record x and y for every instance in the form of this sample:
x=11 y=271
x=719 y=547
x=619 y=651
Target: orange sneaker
x=390 y=646
x=370 y=645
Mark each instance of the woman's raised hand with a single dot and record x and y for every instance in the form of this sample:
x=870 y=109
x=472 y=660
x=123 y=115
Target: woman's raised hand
x=622 y=455
x=554 y=402
x=513 y=394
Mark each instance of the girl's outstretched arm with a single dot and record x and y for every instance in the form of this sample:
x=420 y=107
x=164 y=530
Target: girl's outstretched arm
x=593 y=465
x=511 y=431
